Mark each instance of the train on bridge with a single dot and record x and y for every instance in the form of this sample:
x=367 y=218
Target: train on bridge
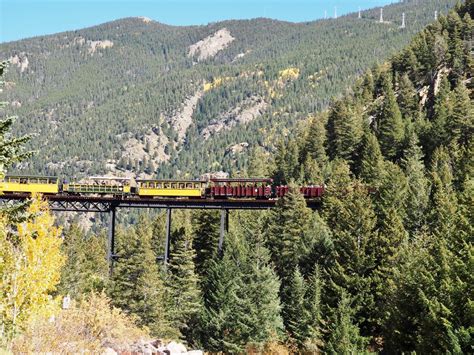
x=118 y=187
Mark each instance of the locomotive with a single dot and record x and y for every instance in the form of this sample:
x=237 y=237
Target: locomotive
x=119 y=187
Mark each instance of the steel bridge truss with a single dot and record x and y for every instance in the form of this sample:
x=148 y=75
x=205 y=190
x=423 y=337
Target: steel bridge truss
x=81 y=204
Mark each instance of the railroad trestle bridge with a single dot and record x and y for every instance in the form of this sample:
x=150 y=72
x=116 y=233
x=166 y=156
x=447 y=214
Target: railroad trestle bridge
x=109 y=205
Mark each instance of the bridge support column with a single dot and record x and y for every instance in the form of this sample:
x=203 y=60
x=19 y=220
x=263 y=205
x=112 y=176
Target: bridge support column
x=168 y=236
x=224 y=228
x=111 y=240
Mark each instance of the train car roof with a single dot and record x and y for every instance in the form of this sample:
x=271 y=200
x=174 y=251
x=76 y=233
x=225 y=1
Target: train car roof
x=32 y=176
x=242 y=180
x=170 y=180
x=109 y=178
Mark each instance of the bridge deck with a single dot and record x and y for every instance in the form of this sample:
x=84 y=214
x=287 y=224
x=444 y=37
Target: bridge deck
x=63 y=202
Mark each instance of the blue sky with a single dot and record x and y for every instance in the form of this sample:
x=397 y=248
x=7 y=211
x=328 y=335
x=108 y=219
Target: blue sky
x=28 y=18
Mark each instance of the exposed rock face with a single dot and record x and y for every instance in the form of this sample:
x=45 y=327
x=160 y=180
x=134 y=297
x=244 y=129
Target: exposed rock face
x=94 y=45
x=145 y=19
x=237 y=148
x=21 y=61
x=151 y=147
x=250 y=109
x=211 y=45
x=184 y=118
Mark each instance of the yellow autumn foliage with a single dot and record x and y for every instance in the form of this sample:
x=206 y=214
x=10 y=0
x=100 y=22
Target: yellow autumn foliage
x=216 y=83
x=31 y=261
x=289 y=74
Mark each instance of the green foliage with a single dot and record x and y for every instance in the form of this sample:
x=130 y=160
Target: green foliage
x=241 y=299
x=345 y=337
x=86 y=268
x=11 y=148
x=137 y=286
x=182 y=286
x=206 y=236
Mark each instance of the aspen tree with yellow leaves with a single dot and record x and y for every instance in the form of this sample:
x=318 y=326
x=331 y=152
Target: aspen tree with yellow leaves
x=30 y=266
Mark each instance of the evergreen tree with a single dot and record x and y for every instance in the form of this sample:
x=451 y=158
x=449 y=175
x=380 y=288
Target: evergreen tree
x=287 y=167
x=461 y=123
x=241 y=298
x=407 y=100
x=372 y=163
x=257 y=163
x=349 y=214
x=261 y=296
x=390 y=126
x=313 y=312
x=288 y=232
x=137 y=286
x=418 y=187
x=182 y=286
x=344 y=337
x=439 y=132
x=206 y=237
x=314 y=141
x=86 y=266
x=294 y=308
x=345 y=129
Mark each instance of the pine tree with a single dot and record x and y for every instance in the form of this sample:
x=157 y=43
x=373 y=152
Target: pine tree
x=439 y=132
x=86 y=268
x=407 y=100
x=418 y=187
x=372 y=163
x=344 y=337
x=288 y=233
x=350 y=216
x=257 y=167
x=182 y=286
x=206 y=237
x=287 y=167
x=137 y=286
x=313 y=313
x=390 y=126
x=294 y=308
x=241 y=298
x=314 y=141
x=461 y=123
x=345 y=129
x=261 y=294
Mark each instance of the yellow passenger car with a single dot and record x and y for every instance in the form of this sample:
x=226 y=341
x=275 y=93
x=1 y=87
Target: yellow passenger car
x=29 y=184
x=171 y=188
x=99 y=185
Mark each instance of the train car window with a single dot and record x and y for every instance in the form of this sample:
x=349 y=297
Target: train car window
x=173 y=186
x=181 y=186
x=158 y=185
x=189 y=185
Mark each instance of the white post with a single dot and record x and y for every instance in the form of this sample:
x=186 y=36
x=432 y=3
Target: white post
x=381 y=15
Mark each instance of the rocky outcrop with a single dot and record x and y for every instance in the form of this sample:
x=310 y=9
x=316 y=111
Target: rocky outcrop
x=94 y=45
x=152 y=347
x=182 y=119
x=211 y=45
x=250 y=109
x=21 y=61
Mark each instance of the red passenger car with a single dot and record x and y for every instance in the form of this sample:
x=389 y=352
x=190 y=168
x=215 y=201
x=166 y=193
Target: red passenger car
x=306 y=191
x=241 y=188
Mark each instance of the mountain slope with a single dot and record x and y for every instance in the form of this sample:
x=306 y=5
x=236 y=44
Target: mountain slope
x=138 y=96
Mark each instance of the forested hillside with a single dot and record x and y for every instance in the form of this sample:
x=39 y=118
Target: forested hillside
x=384 y=265
x=138 y=96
